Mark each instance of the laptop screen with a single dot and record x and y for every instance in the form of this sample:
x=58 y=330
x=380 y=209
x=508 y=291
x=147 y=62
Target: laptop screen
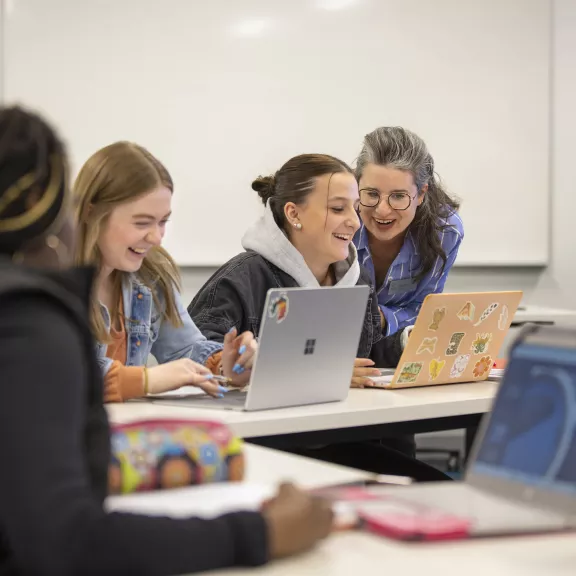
x=531 y=437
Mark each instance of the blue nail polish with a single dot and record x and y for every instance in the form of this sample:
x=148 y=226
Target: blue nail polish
x=208 y=376
x=220 y=396
x=236 y=368
x=240 y=370
x=242 y=349
x=222 y=389
x=231 y=330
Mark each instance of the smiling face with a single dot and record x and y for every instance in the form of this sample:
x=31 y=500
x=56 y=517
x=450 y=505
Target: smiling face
x=384 y=223
x=133 y=228
x=328 y=218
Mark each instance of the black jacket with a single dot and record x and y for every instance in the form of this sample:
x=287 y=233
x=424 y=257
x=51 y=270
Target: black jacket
x=55 y=447
x=235 y=295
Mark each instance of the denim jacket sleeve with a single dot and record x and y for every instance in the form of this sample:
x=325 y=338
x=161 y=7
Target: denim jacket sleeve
x=185 y=341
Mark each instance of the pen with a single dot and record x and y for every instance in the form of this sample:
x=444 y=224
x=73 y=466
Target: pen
x=222 y=379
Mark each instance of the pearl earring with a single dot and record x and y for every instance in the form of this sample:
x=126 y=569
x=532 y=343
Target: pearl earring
x=297 y=225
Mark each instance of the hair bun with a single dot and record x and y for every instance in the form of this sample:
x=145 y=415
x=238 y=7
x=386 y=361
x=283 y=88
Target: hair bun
x=265 y=186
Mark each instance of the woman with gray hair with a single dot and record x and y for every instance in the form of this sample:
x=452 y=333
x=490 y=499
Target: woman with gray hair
x=411 y=230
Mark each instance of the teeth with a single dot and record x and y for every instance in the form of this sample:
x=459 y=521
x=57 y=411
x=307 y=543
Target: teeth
x=383 y=221
x=342 y=236
x=138 y=250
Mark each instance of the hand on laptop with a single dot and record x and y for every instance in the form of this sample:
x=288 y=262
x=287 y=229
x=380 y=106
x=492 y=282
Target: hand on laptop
x=363 y=367
x=238 y=356
x=183 y=372
x=296 y=521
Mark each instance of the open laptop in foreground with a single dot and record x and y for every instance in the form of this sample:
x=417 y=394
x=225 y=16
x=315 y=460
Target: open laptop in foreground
x=307 y=346
x=521 y=475
x=456 y=338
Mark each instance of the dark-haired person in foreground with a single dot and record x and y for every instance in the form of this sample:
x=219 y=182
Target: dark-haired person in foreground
x=305 y=239
x=54 y=433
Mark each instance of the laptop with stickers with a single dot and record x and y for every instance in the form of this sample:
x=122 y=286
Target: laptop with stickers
x=308 y=342
x=456 y=338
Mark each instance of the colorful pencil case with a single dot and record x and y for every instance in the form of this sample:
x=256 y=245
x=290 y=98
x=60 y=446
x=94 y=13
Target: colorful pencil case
x=162 y=454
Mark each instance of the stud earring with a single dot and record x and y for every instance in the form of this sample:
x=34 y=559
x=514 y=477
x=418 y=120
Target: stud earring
x=297 y=225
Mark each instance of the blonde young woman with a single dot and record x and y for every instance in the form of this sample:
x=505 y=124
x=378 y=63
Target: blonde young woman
x=52 y=514
x=123 y=198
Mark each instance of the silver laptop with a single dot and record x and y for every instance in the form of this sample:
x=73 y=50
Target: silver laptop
x=522 y=472
x=307 y=346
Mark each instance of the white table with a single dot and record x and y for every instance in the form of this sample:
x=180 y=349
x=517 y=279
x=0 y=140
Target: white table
x=357 y=553
x=442 y=407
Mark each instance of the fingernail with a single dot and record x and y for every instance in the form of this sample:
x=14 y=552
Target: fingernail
x=222 y=389
x=242 y=349
x=219 y=395
x=231 y=330
x=376 y=372
x=208 y=376
x=238 y=369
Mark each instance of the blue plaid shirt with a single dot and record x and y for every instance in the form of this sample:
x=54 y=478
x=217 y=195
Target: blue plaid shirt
x=400 y=296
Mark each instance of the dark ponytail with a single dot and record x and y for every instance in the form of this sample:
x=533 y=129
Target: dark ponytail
x=265 y=186
x=294 y=181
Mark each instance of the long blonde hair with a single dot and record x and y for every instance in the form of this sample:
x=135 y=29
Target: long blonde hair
x=116 y=174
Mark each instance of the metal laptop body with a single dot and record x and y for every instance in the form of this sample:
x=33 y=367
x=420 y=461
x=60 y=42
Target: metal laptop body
x=456 y=338
x=522 y=471
x=307 y=345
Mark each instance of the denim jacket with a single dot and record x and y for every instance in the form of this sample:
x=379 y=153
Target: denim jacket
x=148 y=333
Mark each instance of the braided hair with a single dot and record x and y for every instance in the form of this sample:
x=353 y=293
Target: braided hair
x=32 y=178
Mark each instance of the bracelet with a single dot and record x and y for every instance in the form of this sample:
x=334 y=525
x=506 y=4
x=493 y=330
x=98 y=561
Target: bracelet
x=145 y=381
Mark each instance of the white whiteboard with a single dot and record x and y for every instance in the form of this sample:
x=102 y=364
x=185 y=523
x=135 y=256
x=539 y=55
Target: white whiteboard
x=224 y=90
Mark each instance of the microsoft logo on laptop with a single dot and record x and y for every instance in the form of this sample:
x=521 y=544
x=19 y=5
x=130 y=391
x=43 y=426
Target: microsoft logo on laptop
x=309 y=348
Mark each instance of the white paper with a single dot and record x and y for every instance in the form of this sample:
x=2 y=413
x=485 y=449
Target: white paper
x=385 y=379
x=206 y=500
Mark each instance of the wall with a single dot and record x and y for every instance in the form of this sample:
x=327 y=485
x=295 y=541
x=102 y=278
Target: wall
x=555 y=285
x=461 y=279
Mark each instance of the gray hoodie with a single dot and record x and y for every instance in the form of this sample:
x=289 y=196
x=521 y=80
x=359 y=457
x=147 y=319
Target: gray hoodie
x=268 y=240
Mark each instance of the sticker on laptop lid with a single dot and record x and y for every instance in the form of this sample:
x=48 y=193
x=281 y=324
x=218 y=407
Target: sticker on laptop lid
x=481 y=343
x=435 y=367
x=427 y=345
x=437 y=318
x=460 y=364
x=503 y=320
x=467 y=312
x=482 y=367
x=454 y=344
x=409 y=372
x=487 y=313
x=279 y=308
